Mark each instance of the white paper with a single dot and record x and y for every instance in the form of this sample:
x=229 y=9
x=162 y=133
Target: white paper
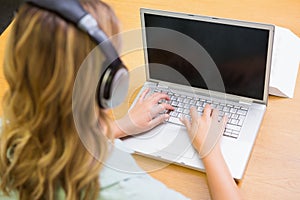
x=285 y=63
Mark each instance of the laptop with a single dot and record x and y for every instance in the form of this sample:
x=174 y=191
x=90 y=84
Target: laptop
x=199 y=60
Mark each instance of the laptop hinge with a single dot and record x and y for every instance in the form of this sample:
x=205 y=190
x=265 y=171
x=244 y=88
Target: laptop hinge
x=159 y=85
x=246 y=102
x=151 y=83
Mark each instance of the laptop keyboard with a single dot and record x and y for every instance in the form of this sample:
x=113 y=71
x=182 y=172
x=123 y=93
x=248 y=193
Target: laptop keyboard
x=182 y=103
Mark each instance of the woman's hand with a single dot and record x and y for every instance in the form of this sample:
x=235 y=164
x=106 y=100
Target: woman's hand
x=205 y=130
x=145 y=115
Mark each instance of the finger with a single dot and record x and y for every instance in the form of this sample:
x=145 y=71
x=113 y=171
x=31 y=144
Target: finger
x=224 y=121
x=158 y=120
x=207 y=111
x=143 y=95
x=186 y=123
x=215 y=113
x=156 y=109
x=194 y=114
x=160 y=108
x=158 y=96
x=167 y=106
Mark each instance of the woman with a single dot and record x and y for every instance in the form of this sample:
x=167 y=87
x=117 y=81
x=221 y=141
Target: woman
x=42 y=156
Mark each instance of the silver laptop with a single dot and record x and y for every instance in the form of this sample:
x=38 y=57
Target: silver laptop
x=199 y=60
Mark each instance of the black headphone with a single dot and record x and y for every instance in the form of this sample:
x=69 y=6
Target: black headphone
x=114 y=78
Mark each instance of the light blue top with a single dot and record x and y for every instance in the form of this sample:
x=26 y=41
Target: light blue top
x=122 y=179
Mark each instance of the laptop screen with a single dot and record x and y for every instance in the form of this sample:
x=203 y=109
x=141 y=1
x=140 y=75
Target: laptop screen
x=240 y=54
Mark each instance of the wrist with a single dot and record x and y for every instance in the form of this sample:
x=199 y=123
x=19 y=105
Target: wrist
x=214 y=156
x=117 y=131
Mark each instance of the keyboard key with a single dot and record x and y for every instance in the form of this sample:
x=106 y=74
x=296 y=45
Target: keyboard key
x=221 y=113
x=174 y=114
x=179 y=115
x=219 y=107
x=233 y=127
x=179 y=110
x=174 y=103
x=187 y=106
x=179 y=99
x=237 y=107
x=199 y=103
x=192 y=102
x=213 y=106
x=234 y=116
x=227 y=114
x=175 y=120
x=188 y=117
x=227 y=132
x=180 y=105
x=242 y=112
x=200 y=109
x=234 y=121
x=233 y=110
x=241 y=120
x=244 y=108
x=186 y=101
x=226 y=109
x=186 y=111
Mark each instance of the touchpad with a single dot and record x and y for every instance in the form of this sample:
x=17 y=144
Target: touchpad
x=177 y=143
x=166 y=140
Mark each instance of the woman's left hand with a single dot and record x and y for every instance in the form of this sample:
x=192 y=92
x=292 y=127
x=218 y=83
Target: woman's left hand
x=145 y=115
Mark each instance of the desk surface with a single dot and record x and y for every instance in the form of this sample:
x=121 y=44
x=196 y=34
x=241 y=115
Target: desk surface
x=273 y=169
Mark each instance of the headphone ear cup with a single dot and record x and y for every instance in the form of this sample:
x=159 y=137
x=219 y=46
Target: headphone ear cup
x=113 y=88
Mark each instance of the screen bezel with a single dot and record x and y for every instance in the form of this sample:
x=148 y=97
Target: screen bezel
x=231 y=22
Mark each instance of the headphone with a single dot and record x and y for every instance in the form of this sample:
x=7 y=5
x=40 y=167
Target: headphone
x=114 y=77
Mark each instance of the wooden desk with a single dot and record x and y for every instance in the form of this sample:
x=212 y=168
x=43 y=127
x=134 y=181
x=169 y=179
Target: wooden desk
x=273 y=169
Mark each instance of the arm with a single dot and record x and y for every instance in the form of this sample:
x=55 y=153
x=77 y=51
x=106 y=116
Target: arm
x=205 y=132
x=220 y=182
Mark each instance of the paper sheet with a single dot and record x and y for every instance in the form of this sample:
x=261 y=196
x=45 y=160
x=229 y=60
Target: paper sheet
x=285 y=63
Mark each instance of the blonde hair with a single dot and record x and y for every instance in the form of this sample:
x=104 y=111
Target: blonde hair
x=40 y=150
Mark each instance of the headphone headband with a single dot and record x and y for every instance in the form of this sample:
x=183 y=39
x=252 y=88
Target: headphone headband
x=70 y=10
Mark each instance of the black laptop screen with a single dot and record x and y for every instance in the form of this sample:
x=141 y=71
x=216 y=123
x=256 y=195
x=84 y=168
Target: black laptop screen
x=240 y=54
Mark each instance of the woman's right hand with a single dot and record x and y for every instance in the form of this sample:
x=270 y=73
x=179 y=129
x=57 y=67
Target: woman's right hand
x=145 y=114
x=205 y=130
